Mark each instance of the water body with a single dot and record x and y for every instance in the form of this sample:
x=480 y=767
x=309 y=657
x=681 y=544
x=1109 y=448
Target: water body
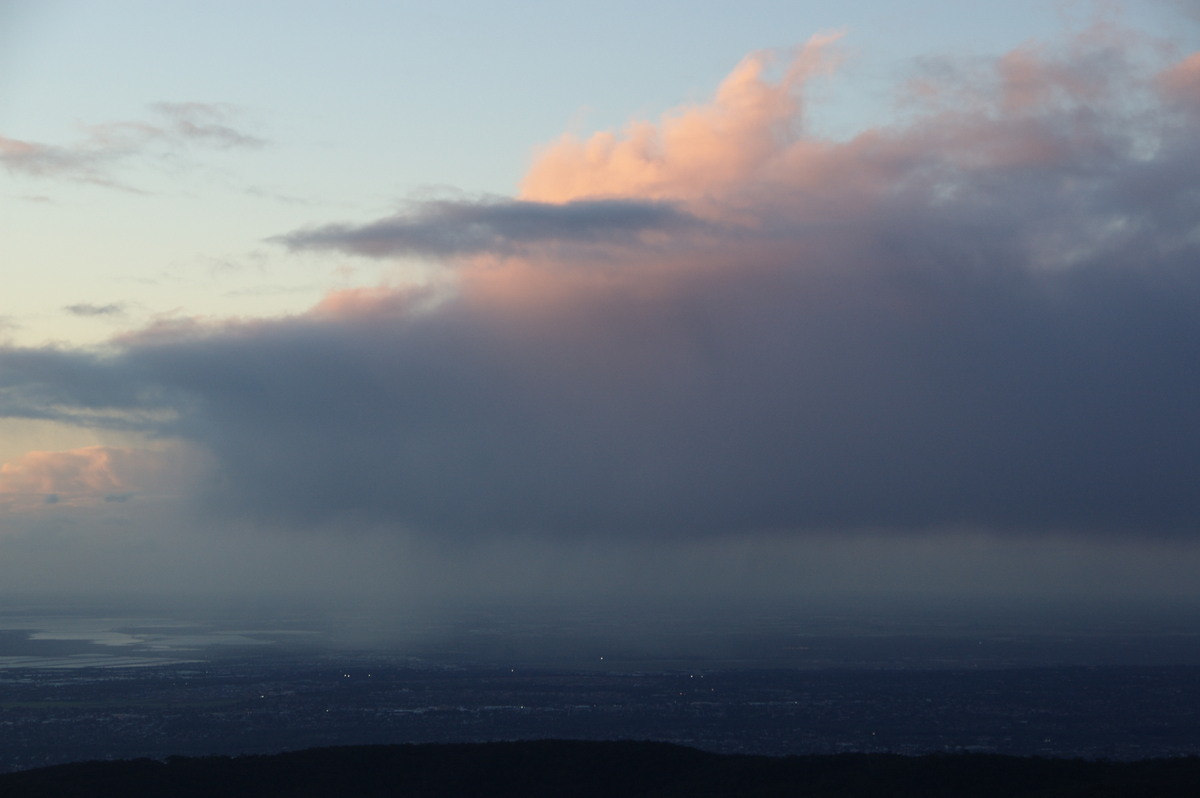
x=54 y=640
x=60 y=636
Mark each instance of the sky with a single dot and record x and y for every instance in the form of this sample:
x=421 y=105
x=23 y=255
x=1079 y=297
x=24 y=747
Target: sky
x=391 y=304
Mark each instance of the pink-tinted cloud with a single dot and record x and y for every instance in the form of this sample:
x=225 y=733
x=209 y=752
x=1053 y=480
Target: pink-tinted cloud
x=378 y=301
x=93 y=476
x=1031 y=80
x=90 y=471
x=748 y=151
x=740 y=136
x=1182 y=80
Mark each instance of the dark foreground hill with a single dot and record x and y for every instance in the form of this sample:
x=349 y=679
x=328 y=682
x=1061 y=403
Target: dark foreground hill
x=627 y=769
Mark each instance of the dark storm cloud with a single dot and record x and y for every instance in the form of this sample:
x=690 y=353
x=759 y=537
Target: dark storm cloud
x=81 y=388
x=985 y=319
x=444 y=228
x=908 y=392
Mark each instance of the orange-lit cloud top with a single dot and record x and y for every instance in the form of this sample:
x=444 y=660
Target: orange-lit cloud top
x=1183 y=79
x=380 y=301
x=90 y=474
x=92 y=469
x=1041 y=124
x=1032 y=106
x=693 y=151
x=743 y=175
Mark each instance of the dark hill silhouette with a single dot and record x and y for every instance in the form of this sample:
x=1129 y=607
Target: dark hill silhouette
x=584 y=769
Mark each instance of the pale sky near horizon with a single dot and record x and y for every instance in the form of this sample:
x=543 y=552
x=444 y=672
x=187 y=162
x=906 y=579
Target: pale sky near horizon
x=480 y=272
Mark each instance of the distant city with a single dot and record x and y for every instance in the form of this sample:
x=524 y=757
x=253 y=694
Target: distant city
x=109 y=687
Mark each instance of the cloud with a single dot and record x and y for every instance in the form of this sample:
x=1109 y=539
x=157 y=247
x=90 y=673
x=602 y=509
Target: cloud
x=91 y=309
x=980 y=317
x=1182 y=80
x=445 y=228
x=90 y=475
x=1187 y=7
x=54 y=383
x=205 y=123
x=90 y=470
x=743 y=133
x=104 y=147
x=84 y=163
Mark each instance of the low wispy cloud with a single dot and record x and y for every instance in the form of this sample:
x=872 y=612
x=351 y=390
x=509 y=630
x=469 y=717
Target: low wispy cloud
x=446 y=228
x=85 y=163
x=91 y=309
x=204 y=123
x=105 y=147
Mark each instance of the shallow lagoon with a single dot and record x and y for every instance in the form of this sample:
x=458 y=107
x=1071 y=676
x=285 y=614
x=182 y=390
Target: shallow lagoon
x=51 y=641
